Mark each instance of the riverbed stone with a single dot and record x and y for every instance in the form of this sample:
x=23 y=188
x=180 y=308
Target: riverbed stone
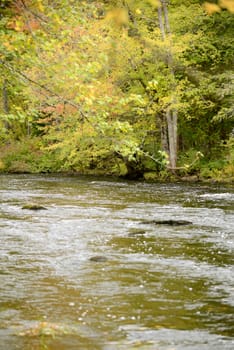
x=33 y=206
x=98 y=258
x=136 y=232
x=168 y=222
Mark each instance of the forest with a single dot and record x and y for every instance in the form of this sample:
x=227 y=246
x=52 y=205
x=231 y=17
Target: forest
x=140 y=89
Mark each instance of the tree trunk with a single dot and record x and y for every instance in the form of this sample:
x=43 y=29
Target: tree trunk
x=166 y=19
x=171 y=114
x=164 y=133
x=172 y=136
x=161 y=24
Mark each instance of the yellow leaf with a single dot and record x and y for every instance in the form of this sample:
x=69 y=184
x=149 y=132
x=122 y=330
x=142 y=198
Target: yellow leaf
x=118 y=15
x=8 y=46
x=227 y=4
x=40 y=6
x=211 y=8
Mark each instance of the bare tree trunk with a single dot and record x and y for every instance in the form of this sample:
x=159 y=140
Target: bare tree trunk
x=171 y=114
x=161 y=24
x=172 y=136
x=165 y=13
x=164 y=133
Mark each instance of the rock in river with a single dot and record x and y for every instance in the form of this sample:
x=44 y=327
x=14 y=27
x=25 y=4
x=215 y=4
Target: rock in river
x=136 y=232
x=98 y=258
x=168 y=222
x=33 y=206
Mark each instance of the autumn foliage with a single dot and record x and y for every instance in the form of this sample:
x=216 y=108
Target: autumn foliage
x=92 y=85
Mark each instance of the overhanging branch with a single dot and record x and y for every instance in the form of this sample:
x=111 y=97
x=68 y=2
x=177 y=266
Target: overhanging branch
x=45 y=88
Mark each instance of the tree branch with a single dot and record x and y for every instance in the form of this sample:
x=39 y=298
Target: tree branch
x=45 y=88
x=26 y=8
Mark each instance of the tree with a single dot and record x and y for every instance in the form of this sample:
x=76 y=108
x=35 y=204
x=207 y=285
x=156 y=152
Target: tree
x=171 y=113
x=101 y=84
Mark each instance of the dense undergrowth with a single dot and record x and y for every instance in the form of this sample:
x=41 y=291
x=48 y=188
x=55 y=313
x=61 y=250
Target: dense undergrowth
x=28 y=156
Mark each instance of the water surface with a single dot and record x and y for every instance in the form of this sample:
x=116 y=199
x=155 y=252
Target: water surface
x=160 y=288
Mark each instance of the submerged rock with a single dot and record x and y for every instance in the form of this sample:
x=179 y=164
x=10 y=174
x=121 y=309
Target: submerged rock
x=33 y=206
x=168 y=222
x=136 y=232
x=98 y=258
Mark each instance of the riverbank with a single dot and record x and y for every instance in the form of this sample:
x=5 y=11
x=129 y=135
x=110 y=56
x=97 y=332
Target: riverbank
x=166 y=177
x=30 y=157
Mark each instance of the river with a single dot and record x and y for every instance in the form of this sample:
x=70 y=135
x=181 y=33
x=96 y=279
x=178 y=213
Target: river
x=157 y=287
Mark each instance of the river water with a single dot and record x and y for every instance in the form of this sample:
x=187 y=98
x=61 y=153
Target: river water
x=160 y=287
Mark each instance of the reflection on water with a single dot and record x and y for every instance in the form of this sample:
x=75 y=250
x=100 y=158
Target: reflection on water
x=161 y=287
